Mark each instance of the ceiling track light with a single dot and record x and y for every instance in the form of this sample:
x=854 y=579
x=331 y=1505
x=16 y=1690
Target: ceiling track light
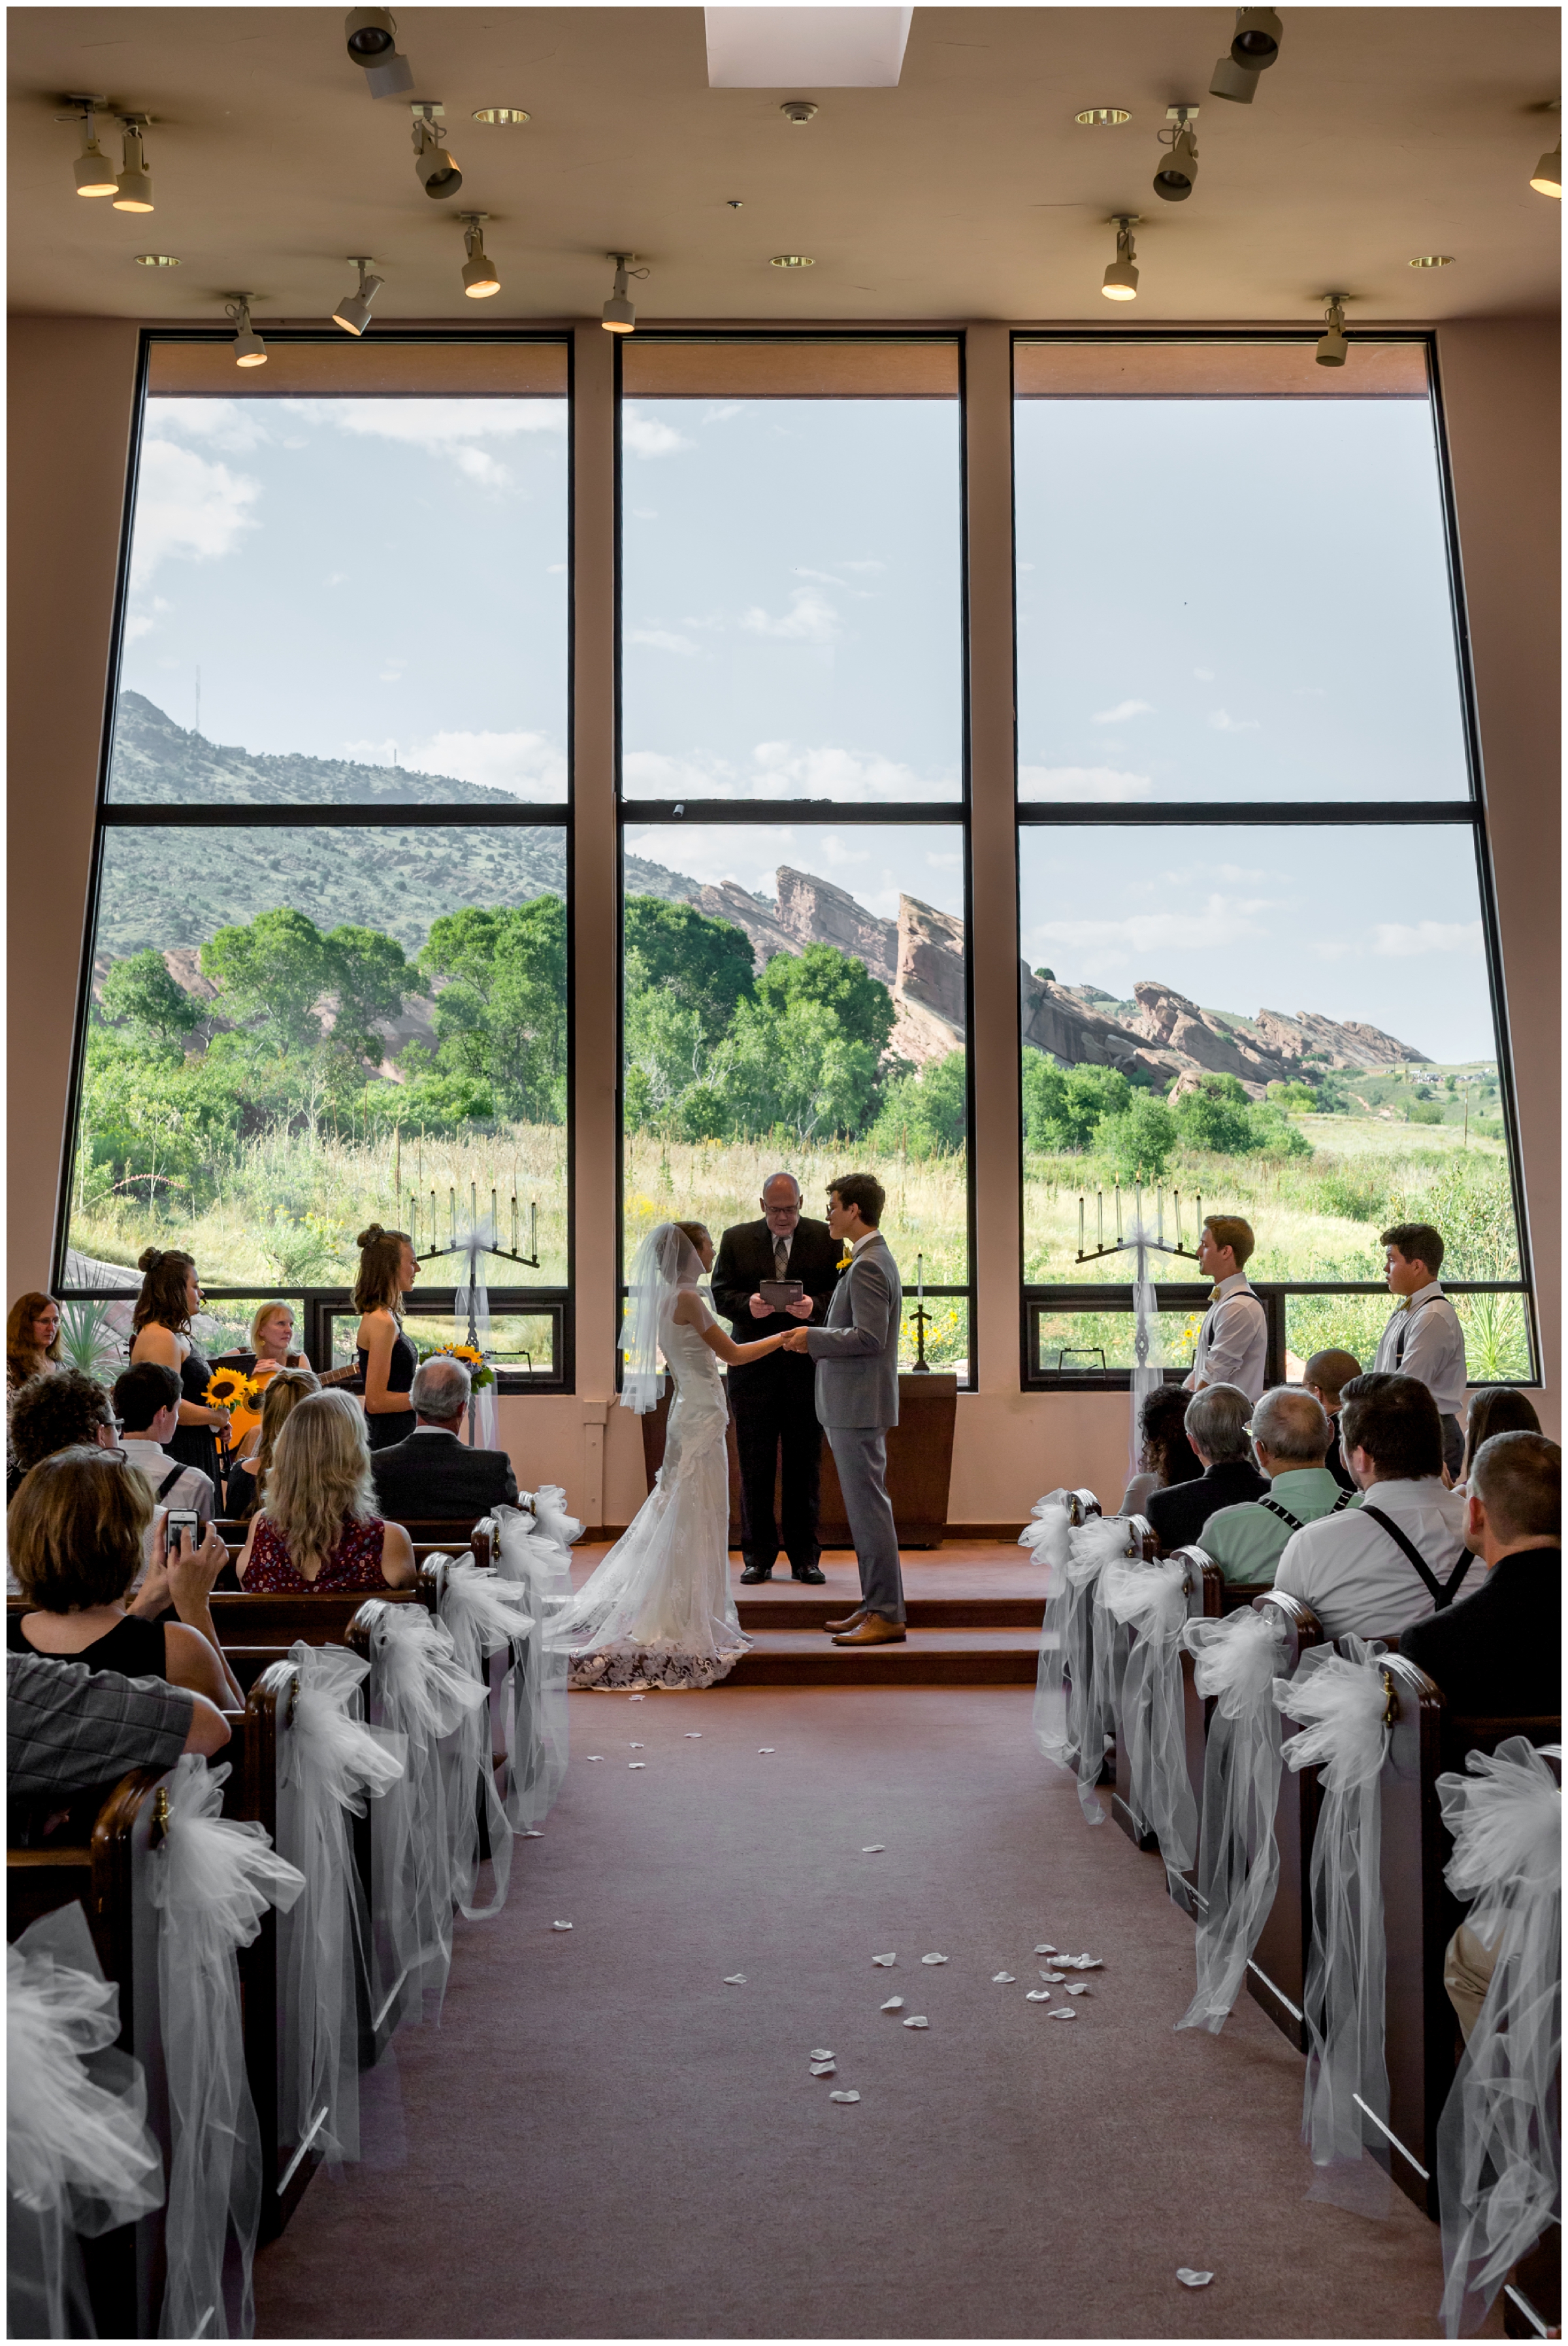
x=1254 y=47
x=370 y=35
x=1175 y=179
x=434 y=166
x=1333 y=347
x=1120 y=281
x=353 y=312
x=249 y=350
x=1547 y=177
x=133 y=189
x=94 y=172
x=479 y=278
x=618 y=316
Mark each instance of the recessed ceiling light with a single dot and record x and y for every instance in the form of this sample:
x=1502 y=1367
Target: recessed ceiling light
x=500 y=114
x=1432 y=260
x=157 y=260
x=792 y=260
x=1093 y=115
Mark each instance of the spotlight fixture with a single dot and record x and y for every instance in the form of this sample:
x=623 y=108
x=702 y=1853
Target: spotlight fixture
x=797 y=110
x=371 y=35
x=1546 y=178
x=1120 y=281
x=1174 y=179
x=133 y=189
x=249 y=350
x=479 y=278
x=1095 y=118
x=353 y=312
x=1254 y=46
x=1432 y=260
x=792 y=260
x=1332 y=350
x=500 y=114
x=618 y=316
x=156 y=259
x=1230 y=80
x=434 y=168
x=94 y=172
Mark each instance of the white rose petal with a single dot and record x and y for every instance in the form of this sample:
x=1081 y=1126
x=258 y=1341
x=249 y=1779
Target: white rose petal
x=1002 y=1979
x=885 y=1961
x=735 y=1979
x=894 y=2003
x=595 y=1755
x=1081 y=1988
x=694 y=1735
x=820 y=2052
x=636 y=1746
x=766 y=1750
x=532 y=1834
x=1064 y=2012
x=560 y=1926
x=843 y=2097
x=1054 y=1978
x=1038 y=1995
x=636 y=1763
x=1045 y=1948
x=824 y=2069
x=873 y=1849
x=636 y=1698
x=917 y=2020
x=1190 y=2280
x=934 y=1959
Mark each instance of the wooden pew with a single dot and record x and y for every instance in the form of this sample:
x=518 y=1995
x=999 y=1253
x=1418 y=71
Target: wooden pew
x=1204 y=1588
x=1277 y=1974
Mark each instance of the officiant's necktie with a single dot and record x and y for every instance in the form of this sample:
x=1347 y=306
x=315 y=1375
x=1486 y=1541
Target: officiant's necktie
x=781 y=1257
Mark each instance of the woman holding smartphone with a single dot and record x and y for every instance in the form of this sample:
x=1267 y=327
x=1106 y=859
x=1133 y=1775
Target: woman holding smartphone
x=388 y=1269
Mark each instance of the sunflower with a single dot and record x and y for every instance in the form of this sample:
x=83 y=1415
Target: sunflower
x=231 y=1389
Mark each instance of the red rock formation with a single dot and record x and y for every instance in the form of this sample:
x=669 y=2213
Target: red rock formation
x=814 y=911
x=1347 y=1043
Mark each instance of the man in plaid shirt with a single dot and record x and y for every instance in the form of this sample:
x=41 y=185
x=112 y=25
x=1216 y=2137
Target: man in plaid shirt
x=68 y=1728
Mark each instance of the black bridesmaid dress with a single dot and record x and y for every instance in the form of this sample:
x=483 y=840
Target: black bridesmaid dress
x=196 y=1445
x=387 y=1426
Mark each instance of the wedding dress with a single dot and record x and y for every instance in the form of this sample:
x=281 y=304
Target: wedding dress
x=658 y=1610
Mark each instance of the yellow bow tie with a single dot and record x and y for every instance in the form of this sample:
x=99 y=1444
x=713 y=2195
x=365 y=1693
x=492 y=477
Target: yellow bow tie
x=1401 y=1304
x=1213 y=1295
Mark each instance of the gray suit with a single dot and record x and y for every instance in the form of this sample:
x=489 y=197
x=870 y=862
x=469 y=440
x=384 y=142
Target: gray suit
x=857 y=1357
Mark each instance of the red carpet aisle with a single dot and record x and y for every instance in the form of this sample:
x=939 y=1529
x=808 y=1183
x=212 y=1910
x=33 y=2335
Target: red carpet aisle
x=605 y=2140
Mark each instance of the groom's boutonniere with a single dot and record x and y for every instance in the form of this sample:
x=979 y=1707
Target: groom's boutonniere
x=846 y=1258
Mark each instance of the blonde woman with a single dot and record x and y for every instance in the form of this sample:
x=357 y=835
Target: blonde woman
x=388 y=1269
x=320 y=1528
x=285 y=1391
x=272 y=1349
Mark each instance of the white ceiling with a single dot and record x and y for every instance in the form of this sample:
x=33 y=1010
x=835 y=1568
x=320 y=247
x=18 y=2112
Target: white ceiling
x=968 y=191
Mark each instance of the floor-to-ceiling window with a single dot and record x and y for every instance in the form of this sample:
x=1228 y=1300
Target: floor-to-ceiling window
x=328 y=979
x=793 y=789
x=1259 y=962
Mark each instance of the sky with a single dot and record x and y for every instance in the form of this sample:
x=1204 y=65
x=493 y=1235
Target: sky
x=875 y=866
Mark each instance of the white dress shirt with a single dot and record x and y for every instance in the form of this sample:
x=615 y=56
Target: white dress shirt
x=1354 y=1577
x=1232 y=1342
x=1425 y=1339
x=191 y=1490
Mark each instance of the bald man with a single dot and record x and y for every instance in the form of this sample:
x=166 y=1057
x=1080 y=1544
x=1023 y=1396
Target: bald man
x=1326 y=1375
x=1292 y=1432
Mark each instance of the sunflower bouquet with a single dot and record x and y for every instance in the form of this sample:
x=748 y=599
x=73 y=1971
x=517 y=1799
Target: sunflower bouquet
x=480 y=1372
x=233 y=1389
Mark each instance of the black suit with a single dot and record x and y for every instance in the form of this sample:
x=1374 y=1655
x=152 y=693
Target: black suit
x=1496 y=1652
x=1180 y=1513
x=1335 y=1462
x=773 y=1402
x=434 y=1477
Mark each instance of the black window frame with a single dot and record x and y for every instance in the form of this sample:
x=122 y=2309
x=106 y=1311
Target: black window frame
x=840 y=814
x=556 y=1302
x=1466 y=813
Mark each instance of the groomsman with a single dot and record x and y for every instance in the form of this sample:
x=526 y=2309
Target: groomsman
x=1233 y=1341
x=1424 y=1340
x=773 y=1401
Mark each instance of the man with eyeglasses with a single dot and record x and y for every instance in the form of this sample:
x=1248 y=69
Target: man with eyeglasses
x=1290 y=1432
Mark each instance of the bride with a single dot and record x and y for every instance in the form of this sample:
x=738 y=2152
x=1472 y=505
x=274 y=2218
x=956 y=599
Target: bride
x=657 y=1611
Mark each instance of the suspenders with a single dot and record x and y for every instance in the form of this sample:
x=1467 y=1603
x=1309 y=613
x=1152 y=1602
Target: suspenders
x=1407 y=1322
x=1442 y=1591
x=1295 y=1522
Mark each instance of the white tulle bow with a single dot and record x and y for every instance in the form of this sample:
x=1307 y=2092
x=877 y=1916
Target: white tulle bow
x=485 y=1612
x=1342 y=1700
x=1152 y=1599
x=551 y=1517
x=80 y=2155
x=1499 y=2145
x=535 y=1726
x=1073 y=1695
x=1048 y=1536
x=212 y=1882
x=1234 y=1662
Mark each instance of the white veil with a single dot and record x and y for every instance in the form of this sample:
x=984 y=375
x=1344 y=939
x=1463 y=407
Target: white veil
x=665 y=1262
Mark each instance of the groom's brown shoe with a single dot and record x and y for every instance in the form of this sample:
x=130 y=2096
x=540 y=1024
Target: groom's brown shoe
x=873 y=1630
x=849 y=1621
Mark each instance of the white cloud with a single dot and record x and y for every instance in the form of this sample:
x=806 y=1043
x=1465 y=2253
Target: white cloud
x=1400 y=940
x=233 y=425
x=778 y=769
x=659 y=639
x=722 y=415
x=529 y=765
x=1138 y=936
x=187 y=505
x=1102 y=785
x=1204 y=675
x=141 y=624
x=645 y=435
x=440 y=424
x=1123 y=709
x=1224 y=722
x=823 y=577
x=808 y=620
x=862 y=566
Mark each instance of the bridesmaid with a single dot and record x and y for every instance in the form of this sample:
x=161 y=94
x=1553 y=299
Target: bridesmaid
x=388 y=1269
x=160 y=1324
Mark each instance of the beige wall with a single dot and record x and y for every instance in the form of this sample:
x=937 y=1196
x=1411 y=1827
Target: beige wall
x=71 y=394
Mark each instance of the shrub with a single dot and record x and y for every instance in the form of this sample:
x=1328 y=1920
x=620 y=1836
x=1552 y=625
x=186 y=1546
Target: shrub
x=1139 y=1142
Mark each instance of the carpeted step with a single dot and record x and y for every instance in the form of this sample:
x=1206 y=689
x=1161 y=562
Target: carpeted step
x=942 y=1656
x=810 y=1611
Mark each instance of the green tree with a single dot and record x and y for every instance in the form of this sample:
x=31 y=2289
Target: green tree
x=502 y=1017
x=838 y=982
x=1064 y=1107
x=704 y=965
x=1139 y=1140
x=138 y=993
x=792 y=1066
x=373 y=979
x=1213 y=1116
x=271 y=974
x=926 y=1112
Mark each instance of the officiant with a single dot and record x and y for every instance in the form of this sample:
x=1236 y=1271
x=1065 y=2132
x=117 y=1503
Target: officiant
x=776 y=1273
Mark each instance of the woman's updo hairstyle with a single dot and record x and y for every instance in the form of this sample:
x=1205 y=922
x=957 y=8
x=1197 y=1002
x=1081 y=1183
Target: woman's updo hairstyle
x=380 y=1262
x=162 y=1298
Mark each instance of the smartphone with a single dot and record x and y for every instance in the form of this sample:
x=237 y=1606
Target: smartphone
x=183 y=1519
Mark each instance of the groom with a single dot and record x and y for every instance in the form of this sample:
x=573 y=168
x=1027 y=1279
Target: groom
x=857 y=1357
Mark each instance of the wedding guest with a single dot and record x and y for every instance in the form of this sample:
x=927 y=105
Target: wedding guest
x=271 y=1348
x=1424 y=1338
x=32 y=1338
x=1215 y=1421
x=1233 y=1341
x=388 y=1269
x=161 y=1325
x=68 y=1728
x=75 y=1534
x=432 y=1477
x=1379 y=1568
x=773 y=1401
x=147 y=1404
x=319 y=1528
x=1164 y=1454
x=1292 y=1432
x=1326 y=1375
x=283 y=1394
x=1495 y=1409
x=57 y=1412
